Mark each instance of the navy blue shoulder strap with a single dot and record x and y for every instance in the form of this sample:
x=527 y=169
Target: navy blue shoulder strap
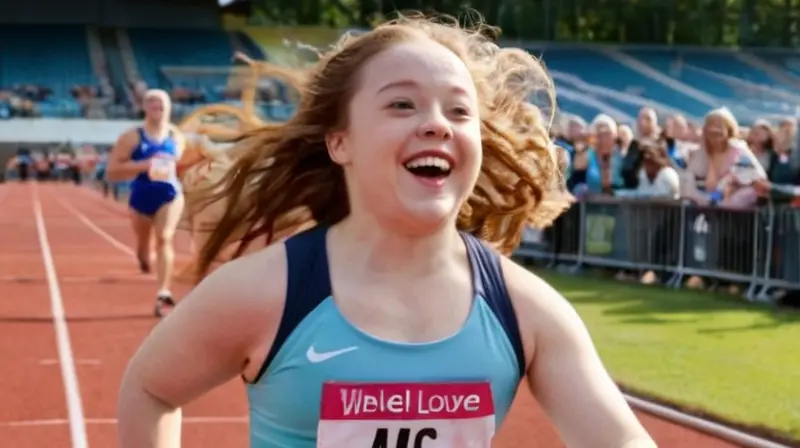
x=308 y=285
x=489 y=283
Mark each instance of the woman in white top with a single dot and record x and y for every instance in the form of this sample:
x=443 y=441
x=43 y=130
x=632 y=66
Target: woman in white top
x=657 y=177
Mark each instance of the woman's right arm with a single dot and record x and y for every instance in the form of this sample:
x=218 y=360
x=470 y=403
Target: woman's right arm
x=221 y=330
x=120 y=166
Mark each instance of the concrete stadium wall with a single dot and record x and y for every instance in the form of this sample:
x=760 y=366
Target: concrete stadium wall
x=59 y=130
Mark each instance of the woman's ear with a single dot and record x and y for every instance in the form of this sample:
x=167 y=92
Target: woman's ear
x=336 y=143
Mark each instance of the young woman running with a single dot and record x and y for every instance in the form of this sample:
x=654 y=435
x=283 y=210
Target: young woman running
x=393 y=322
x=149 y=155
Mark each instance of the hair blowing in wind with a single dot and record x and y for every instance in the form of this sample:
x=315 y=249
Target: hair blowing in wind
x=283 y=178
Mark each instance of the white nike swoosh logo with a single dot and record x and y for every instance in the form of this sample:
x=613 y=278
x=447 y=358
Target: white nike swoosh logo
x=315 y=357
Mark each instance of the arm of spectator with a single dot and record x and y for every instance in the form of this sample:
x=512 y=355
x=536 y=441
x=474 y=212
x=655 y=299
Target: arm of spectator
x=777 y=192
x=742 y=194
x=744 y=197
x=786 y=192
x=120 y=166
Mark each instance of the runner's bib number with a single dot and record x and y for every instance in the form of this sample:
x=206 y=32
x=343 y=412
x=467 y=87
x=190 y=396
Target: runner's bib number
x=406 y=415
x=161 y=168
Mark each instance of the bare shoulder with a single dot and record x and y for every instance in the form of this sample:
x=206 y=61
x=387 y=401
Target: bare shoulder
x=544 y=315
x=126 y=142
x=215 y=331
x=238 y=302
x=256 y=277
x=130 y=134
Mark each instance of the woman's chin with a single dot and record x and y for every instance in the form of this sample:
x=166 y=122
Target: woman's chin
x=430 y=215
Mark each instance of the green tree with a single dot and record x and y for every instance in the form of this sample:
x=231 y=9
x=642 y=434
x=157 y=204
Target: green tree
x=680 y=22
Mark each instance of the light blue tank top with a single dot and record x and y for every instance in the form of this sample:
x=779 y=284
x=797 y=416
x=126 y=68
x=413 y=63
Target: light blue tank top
x=315 y=344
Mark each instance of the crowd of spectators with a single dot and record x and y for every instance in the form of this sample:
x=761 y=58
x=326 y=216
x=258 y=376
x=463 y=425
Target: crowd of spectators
x=23 y=101
x=716 y=164
x=20 y=100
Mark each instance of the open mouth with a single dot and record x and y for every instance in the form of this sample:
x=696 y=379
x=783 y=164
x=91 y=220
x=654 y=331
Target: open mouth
x=429 y=167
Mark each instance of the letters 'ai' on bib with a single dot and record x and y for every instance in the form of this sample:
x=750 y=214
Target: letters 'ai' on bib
x=406 y=415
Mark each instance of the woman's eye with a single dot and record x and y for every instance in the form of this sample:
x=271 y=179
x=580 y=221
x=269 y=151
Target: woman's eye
x=461 y=111
x=402 y=104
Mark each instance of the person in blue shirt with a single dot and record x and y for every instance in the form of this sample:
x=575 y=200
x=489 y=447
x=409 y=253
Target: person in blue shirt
x=396 y=317
x=604 y=168
x=148 y=154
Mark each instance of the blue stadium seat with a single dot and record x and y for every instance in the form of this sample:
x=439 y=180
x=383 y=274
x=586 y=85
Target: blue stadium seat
x=156 y=48
x=53 y=56
x=596 y=68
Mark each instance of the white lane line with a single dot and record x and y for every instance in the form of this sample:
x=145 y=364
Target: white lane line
x=102 y=233
x=105 y=235
x=77 y=421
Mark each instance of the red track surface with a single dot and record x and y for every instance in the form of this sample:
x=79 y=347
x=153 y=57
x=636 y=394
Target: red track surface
x=107 y=306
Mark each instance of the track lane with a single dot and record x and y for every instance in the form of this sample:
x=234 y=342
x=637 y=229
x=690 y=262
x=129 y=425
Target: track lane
x=526 y=422
x=111 y=313
x=32 y=390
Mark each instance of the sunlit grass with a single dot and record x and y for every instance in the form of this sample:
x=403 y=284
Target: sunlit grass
x=718 y=354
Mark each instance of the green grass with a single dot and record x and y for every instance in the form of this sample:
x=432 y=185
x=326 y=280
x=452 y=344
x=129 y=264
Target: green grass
x=713 y=353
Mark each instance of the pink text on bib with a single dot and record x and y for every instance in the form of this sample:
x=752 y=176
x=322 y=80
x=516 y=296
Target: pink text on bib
x=406 y=415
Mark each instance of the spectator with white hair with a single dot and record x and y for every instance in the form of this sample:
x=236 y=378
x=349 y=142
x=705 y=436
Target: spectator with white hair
x=604 y=167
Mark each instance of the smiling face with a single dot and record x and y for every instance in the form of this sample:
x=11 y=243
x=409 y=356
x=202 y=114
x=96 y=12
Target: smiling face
x=716 y=133
x=605 y=139
x=412 y=147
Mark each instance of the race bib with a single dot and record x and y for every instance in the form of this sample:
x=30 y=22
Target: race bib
x=161 y=169
x=406 y=415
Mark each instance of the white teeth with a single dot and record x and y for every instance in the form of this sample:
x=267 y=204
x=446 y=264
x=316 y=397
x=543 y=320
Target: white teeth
x=438 y=162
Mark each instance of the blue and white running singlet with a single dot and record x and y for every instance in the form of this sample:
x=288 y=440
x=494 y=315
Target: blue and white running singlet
x=149 y=195
x=325 y=383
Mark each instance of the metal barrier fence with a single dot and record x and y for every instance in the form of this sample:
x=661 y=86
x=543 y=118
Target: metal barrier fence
x=676 y=239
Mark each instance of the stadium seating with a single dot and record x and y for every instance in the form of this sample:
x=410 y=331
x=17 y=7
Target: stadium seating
x=596 y=68
x=788 y=61
x=154 y=49
x=590 y=80
x=721 y=76
x=56 y=57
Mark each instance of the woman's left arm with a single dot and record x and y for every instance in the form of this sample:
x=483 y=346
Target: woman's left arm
x=565 y=372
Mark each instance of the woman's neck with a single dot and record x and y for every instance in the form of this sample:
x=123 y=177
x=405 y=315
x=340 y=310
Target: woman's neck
x=155 y=129
x=604 y=151
x=648 y=135
x=370 y=246
x=714 y=151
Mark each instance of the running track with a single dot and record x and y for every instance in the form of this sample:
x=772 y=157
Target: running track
x=73 y=309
